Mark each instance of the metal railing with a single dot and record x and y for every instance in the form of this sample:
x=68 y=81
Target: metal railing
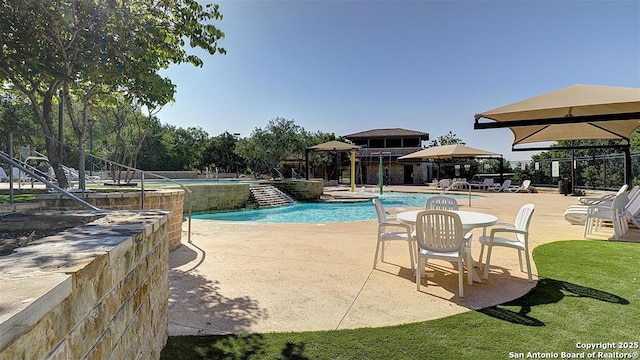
x=13 y=162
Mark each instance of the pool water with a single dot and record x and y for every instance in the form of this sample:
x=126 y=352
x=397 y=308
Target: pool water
x=321 y=212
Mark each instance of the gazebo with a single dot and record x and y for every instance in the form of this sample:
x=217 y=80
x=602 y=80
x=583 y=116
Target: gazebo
x=334 y=145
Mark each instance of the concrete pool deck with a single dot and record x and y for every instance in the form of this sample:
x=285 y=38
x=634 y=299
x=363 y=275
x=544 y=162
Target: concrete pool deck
x=252 y=277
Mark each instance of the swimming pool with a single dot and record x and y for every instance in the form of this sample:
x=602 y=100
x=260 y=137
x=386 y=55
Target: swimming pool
x=321 y=212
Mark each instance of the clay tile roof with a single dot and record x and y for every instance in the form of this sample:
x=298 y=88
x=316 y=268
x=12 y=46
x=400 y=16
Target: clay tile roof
x=387 y=133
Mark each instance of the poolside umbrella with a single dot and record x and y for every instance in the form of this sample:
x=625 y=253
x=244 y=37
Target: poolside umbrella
x=447 y=152
x=577 y=112
x=450 y=152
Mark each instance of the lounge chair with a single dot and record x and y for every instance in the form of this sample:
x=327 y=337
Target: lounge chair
x=576 y=214
x=593 y=200
x=524 y=187
x=486 y=184
x=632 y=209
x=506 y=185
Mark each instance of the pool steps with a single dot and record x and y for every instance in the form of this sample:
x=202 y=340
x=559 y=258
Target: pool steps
x=264 y=195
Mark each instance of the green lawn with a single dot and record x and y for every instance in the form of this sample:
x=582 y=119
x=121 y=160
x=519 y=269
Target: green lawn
x=589 y=292
x=18 y=198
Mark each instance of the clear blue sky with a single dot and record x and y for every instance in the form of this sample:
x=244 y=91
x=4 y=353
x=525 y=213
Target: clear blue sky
x=348 y=66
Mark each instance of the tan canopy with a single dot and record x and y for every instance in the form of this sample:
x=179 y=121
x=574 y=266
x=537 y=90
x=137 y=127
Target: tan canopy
x=333 y=145
x=447 y=152
x=577 y=112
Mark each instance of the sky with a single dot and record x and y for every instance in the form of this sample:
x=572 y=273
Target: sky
x=348 y=66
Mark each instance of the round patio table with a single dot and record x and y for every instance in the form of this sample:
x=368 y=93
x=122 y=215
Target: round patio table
x=469 y=219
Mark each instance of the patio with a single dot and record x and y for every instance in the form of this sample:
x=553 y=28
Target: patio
x=246 y=277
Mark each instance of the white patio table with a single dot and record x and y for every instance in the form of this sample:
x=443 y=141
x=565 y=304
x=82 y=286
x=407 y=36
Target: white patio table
x=470 y=220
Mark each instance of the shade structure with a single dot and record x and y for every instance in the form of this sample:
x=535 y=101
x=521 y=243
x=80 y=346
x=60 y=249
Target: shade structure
x=334 y=145
x=577 y=112
x=447 y=152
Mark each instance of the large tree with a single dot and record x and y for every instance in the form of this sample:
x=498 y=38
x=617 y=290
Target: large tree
x=85 y=49
x=266 y=148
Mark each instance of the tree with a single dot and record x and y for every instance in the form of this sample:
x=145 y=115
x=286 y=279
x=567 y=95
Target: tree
x=86 y=49
x=220 y=153
x=448 y=139
x=266 y=148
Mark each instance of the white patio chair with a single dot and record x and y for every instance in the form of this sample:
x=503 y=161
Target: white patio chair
x=517 y=238
x=614 y=213
x=441 y=202
x=389 y=230
x=444 y=183
x=439 y=235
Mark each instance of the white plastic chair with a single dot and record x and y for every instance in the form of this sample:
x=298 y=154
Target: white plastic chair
x=439 y=235
x=518 y=239
x=440 y=202
x=389 y=230
x=444 y=183
x=614 y=213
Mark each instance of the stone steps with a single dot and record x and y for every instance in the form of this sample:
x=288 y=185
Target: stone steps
x=268 y=196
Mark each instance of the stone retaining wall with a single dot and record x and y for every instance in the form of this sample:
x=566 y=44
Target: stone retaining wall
x=303 y=190
x=216 y=197
x=160 y=199
x=98 y=291
x=234 y=195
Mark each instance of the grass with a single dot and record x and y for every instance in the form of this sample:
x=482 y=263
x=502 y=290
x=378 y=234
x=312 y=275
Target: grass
x=589 y=292
x=18 y=198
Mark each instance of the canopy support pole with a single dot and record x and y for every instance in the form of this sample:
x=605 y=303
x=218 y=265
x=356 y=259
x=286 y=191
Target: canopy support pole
x=352 y=171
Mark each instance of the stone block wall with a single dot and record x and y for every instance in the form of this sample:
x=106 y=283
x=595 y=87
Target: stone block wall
x=94 y=292
x=217 y=196
x=160 y=199
x=301 y=189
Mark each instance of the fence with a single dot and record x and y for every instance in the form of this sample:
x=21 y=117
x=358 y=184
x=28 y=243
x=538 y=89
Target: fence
x=601 y=172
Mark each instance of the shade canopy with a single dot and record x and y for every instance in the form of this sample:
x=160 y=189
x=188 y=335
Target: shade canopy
x=333 y=145
x=447 y=152
x=577 y=112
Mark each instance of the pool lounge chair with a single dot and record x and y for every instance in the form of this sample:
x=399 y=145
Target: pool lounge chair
x=576 y=214
x=524 y=187
x=506 y=185
x=592 y=200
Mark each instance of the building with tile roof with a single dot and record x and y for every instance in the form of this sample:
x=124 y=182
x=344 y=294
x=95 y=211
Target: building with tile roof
x=390 y=144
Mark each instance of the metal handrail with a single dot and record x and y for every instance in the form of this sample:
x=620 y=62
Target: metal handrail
x=5 y=157
x=142 y=176
x=9 y=159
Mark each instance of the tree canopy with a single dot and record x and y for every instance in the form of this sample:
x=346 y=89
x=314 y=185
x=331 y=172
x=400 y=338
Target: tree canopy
x=87 y=50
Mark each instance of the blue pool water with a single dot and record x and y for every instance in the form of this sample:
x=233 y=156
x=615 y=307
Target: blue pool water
x=321 y=212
